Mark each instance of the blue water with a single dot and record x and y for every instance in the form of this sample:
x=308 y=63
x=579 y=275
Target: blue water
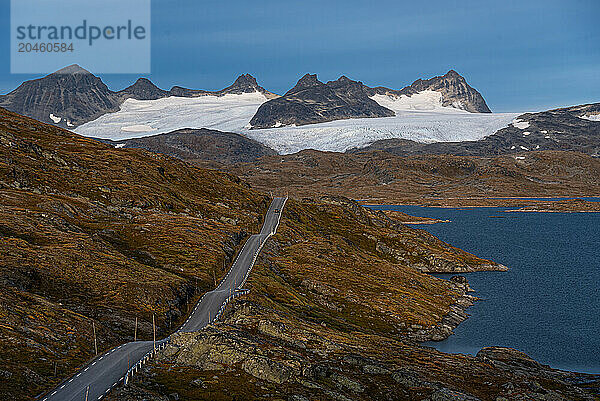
x=548 y=304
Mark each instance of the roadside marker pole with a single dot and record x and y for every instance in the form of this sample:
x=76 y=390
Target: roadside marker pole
x=135 y=331
x=95 y=342
x=154 y=331
x=87 y=391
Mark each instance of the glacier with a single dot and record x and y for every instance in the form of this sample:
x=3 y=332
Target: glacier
x=419 y=117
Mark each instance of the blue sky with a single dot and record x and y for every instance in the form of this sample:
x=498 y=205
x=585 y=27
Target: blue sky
x=521 y=55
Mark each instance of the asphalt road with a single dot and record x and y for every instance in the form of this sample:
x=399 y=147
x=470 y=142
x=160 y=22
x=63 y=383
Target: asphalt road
x=106 y=371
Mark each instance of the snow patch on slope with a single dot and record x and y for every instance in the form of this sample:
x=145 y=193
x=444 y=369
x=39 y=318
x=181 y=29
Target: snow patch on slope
x=520 y=124
x=421 y=101
x=591 y=117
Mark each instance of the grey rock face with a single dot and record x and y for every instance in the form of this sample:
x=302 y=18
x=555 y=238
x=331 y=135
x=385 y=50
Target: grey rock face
x=455 y=92
x=312 y=101
x=72 y=94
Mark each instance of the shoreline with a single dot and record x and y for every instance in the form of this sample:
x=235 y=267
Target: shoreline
x=516 y=205
x=457 y=314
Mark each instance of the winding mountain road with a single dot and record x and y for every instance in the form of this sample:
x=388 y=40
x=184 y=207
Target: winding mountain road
x=97 y=379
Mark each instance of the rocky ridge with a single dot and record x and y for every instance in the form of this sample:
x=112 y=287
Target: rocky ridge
x=312 y=101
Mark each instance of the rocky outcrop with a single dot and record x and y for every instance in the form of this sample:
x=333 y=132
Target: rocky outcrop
x=455 y=316
x=212 y=349
x=256 y=354
x=201 y=145
x=312 y=101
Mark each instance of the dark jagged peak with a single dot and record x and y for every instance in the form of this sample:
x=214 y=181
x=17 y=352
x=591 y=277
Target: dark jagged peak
x=245 y=83
x=67 y=97
x=307 y=81
x=143 y=89
x=451 y=77
x=346 y=83
x=345 y=80
x=245 y=80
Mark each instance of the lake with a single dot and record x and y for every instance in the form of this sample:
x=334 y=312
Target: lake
x=548 y=304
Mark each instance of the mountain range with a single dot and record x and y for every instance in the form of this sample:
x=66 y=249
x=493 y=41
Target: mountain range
x=73 y=96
